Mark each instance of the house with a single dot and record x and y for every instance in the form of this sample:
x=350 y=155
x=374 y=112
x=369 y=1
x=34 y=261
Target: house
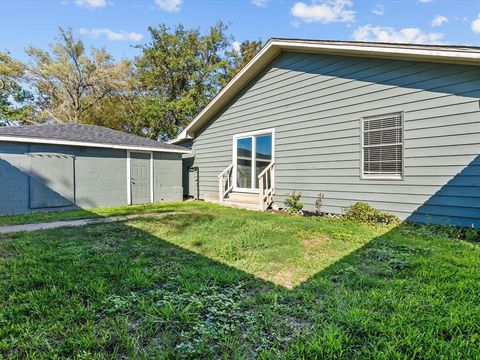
x=396 y=126
x=52 y=167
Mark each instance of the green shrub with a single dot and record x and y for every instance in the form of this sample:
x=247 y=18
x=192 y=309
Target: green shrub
x=293 y=204
x=364 y=213
x=469 y=234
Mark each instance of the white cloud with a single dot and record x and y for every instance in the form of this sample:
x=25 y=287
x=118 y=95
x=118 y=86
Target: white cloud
x=325 y=12
x=111 y=35
x=169 y=5
x=388 y=34
x=439 y=20
x=378 y=9
x=424 y=1
x=91 y=4
x=259 y=3
x=476 y=25
x=236 y=46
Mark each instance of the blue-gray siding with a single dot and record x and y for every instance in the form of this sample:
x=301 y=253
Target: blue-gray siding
x=99 y=177
x=167 y=175
x=315 y=103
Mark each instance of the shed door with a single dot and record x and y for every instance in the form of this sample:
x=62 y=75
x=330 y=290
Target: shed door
x=51 y=180
x=140 y=177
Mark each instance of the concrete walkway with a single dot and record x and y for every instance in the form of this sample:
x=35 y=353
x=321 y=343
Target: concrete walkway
x=67 y=223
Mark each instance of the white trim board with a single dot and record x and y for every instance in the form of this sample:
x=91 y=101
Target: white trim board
x=253 y=135
x=129 y=176
x=440 y=54
x=88 y=144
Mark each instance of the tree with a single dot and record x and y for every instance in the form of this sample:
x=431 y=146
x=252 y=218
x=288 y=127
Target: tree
x=180 y=71
x=246 y=51
x=13 y=97
x=71 y=86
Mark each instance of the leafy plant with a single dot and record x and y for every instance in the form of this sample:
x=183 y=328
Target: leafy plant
x=364 y=213
x=319 y=203
x=293 y=204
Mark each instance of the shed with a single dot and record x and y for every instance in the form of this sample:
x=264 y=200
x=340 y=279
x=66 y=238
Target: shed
x=57 y=167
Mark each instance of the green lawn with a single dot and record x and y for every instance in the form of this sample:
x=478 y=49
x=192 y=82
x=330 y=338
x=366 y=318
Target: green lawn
x=93 y=213
x=215 y=282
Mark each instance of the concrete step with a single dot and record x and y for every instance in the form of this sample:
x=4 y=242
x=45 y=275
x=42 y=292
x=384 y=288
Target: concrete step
x=211 y=198
x=243 y=197
x=240 y=205
x=236 y=199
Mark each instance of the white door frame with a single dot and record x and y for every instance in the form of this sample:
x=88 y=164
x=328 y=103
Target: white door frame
x=129 y=179
x=251 y=134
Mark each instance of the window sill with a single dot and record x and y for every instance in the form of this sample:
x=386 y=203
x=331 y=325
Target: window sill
x=375 y=177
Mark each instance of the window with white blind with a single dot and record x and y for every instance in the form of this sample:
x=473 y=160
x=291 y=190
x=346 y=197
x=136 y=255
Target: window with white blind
x=382 y=146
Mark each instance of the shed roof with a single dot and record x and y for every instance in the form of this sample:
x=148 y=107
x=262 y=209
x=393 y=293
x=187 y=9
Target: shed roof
x=84 y=135
x=469 y=55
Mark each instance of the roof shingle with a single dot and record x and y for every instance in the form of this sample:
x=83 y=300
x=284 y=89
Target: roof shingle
x=86 y=134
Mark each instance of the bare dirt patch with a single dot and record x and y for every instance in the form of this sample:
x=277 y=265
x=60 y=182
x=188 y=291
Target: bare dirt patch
x=315 y=241
x=287 y=278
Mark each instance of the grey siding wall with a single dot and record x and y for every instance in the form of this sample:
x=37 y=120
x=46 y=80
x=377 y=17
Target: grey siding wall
x=167 y=177
x=99 y=179
x=14 y=184
x=315 y=103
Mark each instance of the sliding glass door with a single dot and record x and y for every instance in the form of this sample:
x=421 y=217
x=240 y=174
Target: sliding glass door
x=252 y=154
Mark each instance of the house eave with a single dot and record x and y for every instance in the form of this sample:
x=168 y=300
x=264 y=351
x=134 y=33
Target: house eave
x=89 y=144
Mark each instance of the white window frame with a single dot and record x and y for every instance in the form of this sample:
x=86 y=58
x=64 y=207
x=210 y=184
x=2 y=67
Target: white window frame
x=234 y=157
x=129 y=180
x=364 y=176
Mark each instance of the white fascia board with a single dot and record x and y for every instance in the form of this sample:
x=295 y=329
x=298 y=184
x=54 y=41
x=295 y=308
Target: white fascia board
x=87 y=144
x=402 y=52
x=275 y=46
x=263 y=57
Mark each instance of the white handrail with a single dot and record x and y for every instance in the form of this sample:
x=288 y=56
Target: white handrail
x=266 y=169
x=266 y=187
x=221 y=185
x=229 y=167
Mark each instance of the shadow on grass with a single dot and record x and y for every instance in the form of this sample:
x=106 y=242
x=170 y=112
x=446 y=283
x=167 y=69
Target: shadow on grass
x=118 y=290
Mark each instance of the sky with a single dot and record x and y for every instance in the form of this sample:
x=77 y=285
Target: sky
x=119 y=25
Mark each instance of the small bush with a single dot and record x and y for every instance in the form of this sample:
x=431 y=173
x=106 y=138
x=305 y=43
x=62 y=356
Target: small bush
x=364 y=213
x=319 y=203
x=293 y=204
x=469 y=234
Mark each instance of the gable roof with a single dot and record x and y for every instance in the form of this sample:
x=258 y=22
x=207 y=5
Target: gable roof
x=84 y=135
x=467 y=55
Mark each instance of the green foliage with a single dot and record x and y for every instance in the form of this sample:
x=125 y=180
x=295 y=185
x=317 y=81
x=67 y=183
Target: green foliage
x=469 y=234
x=364 y=213
x=156 y=95
x=239 y=58
x=293 y=204
x=73 y=86
x=180 y=71
x=319 y=203
x=144 y=289
x=14 y=107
